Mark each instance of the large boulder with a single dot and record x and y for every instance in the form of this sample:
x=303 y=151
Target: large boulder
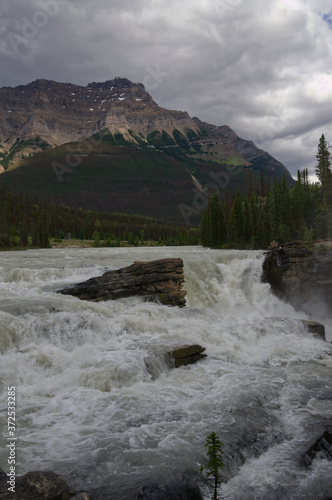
x=160 y=280
x=301 y=276
x=38 y=485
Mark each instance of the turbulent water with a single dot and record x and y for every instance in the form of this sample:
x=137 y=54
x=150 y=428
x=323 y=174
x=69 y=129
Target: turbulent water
x=89 y=408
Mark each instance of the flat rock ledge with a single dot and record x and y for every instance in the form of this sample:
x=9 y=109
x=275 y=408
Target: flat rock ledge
x=158 y=280
x=173 y=358
x=185 y=355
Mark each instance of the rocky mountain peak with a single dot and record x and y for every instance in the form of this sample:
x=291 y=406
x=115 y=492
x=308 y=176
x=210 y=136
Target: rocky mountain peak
x=46 y=113
x=63 y=112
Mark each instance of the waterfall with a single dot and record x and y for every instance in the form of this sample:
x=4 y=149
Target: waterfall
x=89 y=409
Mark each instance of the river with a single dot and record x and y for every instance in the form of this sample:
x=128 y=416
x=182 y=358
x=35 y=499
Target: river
x=87 y=406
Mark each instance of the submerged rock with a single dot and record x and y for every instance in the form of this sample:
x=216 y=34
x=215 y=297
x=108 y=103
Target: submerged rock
x=173 y=486
x=47 y=485
x=160 y=280
x=316 y=328
x=322 y=448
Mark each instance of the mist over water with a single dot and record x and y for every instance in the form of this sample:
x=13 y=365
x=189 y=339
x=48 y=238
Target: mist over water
x=89 y=408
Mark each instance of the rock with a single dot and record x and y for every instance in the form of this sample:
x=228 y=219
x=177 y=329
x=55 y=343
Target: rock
x=171 y=486
x=322 y=448
x=159 y=280
x=316 y=328
x=62 y=112
x=300 y=276
x=176 y=357
x=186 y=354
x=38 y=485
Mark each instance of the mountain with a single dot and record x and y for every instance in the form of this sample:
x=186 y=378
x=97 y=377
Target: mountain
x=109 y=146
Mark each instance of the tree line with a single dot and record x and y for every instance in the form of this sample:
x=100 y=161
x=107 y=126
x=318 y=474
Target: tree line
x=273 y=213
x=26 y=222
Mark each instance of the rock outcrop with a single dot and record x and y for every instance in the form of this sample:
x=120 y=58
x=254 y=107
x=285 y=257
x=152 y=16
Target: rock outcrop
x=59 y=113
x=317 y=329
x=299 y=275
x=164 y=359
x=39 y=485
x=172 y=485
x=321 y=448
x=159 y=280
x=186 y=355
x=47 y=485
x=64 y=112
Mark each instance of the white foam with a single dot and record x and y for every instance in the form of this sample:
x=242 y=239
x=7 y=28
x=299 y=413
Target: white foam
x=87 y=400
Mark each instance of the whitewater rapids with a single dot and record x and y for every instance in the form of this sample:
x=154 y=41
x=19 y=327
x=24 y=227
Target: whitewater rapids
x=88 y=407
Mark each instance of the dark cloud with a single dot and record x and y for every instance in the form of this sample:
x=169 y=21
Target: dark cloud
x=260 y=67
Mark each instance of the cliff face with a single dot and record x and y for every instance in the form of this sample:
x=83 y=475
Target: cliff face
x=299 y=275
x=60 y=112
x=256 y=158
x=46 y=113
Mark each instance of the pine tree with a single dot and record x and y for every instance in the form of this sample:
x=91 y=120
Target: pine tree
x=254 y=221
x=236 y=221
x=4 y=227
x=323 y=168
x=44 y=231
x=23 y=234
x=205 y=225
x=215 y=462
x=217 y=222
x=40 y=233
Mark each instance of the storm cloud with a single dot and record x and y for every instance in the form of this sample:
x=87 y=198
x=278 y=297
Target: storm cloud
x=263 y=68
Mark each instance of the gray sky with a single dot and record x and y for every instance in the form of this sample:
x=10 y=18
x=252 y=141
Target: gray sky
x=263 y=67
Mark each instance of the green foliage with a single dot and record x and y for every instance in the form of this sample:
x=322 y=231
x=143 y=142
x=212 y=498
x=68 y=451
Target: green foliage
x=308 y=238
x=19 y=145
x=20 y=215
x=40 y=233
x=276 y=213
x=213 y=230
x=215 y=463
x=96 y=239
x=323 y=168
x=181 y=140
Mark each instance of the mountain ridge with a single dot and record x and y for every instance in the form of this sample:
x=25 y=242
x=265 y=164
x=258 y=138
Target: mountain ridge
x=121 y=139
